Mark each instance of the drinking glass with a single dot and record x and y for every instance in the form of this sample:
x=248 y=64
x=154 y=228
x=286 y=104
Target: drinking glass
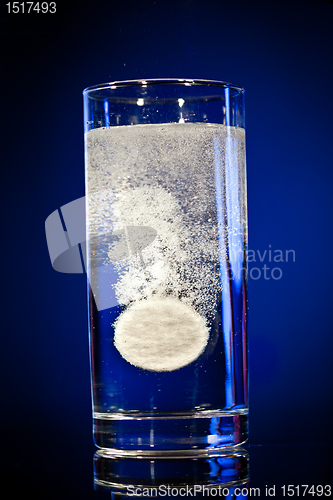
x=166 y=218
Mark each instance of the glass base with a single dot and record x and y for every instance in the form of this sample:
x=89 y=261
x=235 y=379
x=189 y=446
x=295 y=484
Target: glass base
x=177 y=435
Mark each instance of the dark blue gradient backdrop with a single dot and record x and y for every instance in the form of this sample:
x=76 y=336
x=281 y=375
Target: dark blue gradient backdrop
x=282 y=56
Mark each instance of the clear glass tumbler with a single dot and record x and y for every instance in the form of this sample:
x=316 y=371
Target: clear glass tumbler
x=166 y=218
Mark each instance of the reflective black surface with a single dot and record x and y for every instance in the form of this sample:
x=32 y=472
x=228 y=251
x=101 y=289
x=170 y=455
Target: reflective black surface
x=70 y=469
x=173 y=476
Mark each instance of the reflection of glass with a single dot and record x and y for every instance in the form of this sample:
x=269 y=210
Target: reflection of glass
x=167 y=235
x=172 y=477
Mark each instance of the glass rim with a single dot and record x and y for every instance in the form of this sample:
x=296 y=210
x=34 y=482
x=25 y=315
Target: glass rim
x=188 y=82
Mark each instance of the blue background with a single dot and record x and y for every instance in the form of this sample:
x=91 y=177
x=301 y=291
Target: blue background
x=282 y=56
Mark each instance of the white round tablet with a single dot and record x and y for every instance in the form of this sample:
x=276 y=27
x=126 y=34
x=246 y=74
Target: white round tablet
x=160 y=334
